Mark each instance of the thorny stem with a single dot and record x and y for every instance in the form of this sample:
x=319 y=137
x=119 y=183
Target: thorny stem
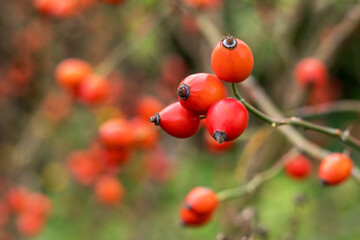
x=343 y=136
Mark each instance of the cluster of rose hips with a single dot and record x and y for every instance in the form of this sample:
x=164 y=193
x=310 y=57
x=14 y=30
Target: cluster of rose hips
x=66 y=8
x=30 y=209
x=334 y=168
x=204 y=94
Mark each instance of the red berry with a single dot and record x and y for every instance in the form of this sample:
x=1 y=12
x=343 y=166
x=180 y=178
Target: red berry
x=190 y=218
x=16 y=198
x=335 y=168
x=198 y=92
x=232 y=60
x=94 y=90
x=147 y=106
x=29 y=223
x=71 y=72
x=117 y=132
x=298 y=167
x=84 y=168
x=201 y=200
x=203 y=4
x=177 y=121
x=146 y=134
x=114 y=1
x=109 y=190
x=114 y=157
x=226 y=119
x=39 y=204
x=311 y=71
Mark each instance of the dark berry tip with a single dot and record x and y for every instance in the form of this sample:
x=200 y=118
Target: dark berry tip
x=183 y=91
x=188 y=207
x=323 y=182
x=229 y=42
x=219 y=136
x=155 y=119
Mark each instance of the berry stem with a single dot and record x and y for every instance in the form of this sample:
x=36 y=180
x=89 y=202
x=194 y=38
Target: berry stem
x=343 y=136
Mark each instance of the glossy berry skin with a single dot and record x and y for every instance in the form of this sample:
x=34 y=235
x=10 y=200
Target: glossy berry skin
x=201 y=200
x=109 y=190
x=335 y=168
x=177 y=121
x=198 y=92
x=226 y=119
x=117 y=132
x=298 y=167
x=311 y=71
x=232 y=60
x=71 y=72
x=190 y=218
x=94 y=90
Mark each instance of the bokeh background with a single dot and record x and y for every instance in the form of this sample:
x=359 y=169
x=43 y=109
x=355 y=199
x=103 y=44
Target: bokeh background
x=144 y=48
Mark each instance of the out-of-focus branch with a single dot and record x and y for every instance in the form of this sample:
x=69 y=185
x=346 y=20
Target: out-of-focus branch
x=343 y=136
x=121 y=51
x=259 y=179
x=329 y=47
x=325 y=108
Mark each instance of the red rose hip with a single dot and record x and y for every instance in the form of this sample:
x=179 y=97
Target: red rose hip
x=335 y=168
x=298 y=167
x=198 y=92
x=232 y=60
x=201 y=200
x=226 y=119
x=311 y=71
x=177 y=121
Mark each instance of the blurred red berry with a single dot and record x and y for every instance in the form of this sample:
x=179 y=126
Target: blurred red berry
x=70 y=73
x=335 y=168
x=117 y=132
x=16 y=198
x=311 y=71
x=109 y=190
x=298 y=167
x=147 y=106
x=202 y=200
x=29 y=223
x=94 y=90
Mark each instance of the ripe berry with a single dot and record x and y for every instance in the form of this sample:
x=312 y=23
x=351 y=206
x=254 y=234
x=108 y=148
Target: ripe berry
x=226 y=119
x=117 y=132
x=298 y=167
x=16 y=198
x=201 y=200
x=113 y=157
x=311 y=71
x=198 y=92
x=109 y=190
x=190 y=218
x=146 y=134
x=335 y=168
x=29 y=223
x=114 y=1
x=71 y=72
x=84 y=168
x=94 y=89
x=147 y=106
x=232 y=60
x=203 y=4
x=177 y=121
x=39 y=204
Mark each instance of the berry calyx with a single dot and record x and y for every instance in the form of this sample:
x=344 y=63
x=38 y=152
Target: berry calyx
x=198 y=92
x=226 y=119
x=232 y=60
x=177 y=121
x=335 y=168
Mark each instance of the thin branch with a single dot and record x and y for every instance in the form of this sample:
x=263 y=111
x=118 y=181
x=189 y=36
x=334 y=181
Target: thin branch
x=343 y=136
x=256 y=181
x=325 y=108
